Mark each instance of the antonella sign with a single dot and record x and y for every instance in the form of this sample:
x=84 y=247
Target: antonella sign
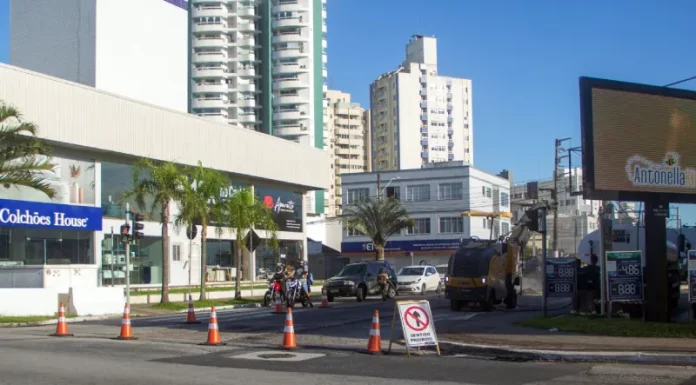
x=49 y=215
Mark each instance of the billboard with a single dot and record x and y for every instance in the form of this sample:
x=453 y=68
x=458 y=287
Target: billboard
x=637 y=141
x=285 y=205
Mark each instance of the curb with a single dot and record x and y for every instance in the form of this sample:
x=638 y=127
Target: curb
x=226 y=307
x=662 y=358
x=55 y=321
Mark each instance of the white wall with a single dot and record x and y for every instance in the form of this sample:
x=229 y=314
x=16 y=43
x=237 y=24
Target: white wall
x=78 y=301
x=141 y=51
x=409 y=121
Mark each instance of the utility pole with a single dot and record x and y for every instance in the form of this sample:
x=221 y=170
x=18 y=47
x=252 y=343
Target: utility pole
x=379 y=186
x=554 y=193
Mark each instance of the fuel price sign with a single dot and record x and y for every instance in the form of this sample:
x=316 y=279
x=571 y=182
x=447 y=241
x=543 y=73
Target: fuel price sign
x=692 y=275
x=624 y=275
x=561 y=277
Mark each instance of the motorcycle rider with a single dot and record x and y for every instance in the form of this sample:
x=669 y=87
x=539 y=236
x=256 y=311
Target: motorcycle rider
x=279 y=279
x=383 y=281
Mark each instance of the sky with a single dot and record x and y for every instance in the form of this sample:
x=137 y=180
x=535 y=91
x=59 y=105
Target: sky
x=524 y=59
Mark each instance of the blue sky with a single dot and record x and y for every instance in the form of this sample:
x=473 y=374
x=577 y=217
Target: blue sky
x=524 y=58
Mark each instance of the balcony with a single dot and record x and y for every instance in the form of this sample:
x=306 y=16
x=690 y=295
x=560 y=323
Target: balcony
x=290 y=69
x=289 y=22
x=424 y=154
x=210 y=43
x=217 y=118
x=424 y=117
x=209 y=72
x=423 y=79
x=246 y=12
x=424 y=129
x=207 y=2
x=288 y=38
x=324 y=73
x=246 y=42
x=219 y=11
x=450 y=144
x=247 y=118
x=424 y=141
x=288 y=99
x=450 y=119
x=246 y=27
x=247 y=72
x=289 y=6
x=246 y=57
x=423 y=104
x=424 y=92
x=450 y=106
x=289 y=53
x=209 y=57
x=209 y=28
x=450 y=156
x=209 y=88
x=246 y=103
x=450 y=132
x=289 y=84
x=290 y=130
x=209 y=103
x=289 y=115
x=246 y=87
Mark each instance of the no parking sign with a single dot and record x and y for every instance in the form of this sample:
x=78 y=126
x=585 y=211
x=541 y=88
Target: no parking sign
x=417 y=324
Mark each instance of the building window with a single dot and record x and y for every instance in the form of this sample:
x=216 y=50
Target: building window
x=504 y=199
x=451 y=225
x=357 y=194
x=394 y=192
x=485 y=223
x=420 y=226
x=450 y=191
x=176 y=253
x=351 y=232
x=488 y=192
x=504 y=227
x=418 y=193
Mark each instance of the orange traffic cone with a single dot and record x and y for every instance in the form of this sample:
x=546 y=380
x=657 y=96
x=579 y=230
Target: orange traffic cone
x=213 y=330
x=289 y=332
x=191 y=315
x=374 y=344
x=62 y=326
x=126 y=330
x=278 y=304
x=324 y=299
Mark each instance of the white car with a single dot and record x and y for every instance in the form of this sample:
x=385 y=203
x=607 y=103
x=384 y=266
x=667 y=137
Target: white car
x=442 y=270
x=419 y=279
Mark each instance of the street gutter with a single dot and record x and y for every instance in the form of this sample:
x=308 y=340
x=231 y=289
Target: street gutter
x=55 y=321
x=510 y=352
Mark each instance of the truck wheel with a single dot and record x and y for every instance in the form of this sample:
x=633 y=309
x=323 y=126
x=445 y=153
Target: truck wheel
x=512 y=300
x=455 y=305
x=489 y=303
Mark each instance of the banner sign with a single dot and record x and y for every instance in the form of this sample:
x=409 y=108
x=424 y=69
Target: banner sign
x=396 y=246
x=692 y=276
x=49 y=215
x=624 y=275
x=561 y=276
x=285 y=205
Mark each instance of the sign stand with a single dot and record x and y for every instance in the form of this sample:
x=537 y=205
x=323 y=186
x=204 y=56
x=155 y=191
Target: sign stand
x=624 y=277
x=691 y=279
x=417 y=325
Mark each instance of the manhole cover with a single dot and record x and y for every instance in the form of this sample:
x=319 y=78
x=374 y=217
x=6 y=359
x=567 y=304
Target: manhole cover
x=275 y=356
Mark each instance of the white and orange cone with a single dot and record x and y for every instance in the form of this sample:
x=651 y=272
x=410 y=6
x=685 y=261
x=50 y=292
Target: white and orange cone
x=191 y=314
x=324 y=299
x=62 y=326
x=289 y=341
x=374 y=344
x=278 y=304
x=126 y=329
x=213 y=330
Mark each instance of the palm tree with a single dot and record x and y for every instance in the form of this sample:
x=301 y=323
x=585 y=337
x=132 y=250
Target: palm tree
x=244 y=212
x=377 y=219
x=202 y=204
x=22 y=157
x=157 y=185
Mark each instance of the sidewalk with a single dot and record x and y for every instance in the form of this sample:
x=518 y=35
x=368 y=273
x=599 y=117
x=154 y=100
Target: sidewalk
x=499 y=336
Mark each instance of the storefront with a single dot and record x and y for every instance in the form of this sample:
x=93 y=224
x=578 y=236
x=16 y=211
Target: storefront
x=404 y=252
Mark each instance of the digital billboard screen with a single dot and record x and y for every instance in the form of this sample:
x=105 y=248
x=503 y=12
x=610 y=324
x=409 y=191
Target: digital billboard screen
x=638 y=141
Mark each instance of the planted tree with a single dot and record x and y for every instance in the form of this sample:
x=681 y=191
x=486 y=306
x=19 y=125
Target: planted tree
x=377 y=219
x=23 y=158
x=156 y=185
x=244 y=212
x=202 y=204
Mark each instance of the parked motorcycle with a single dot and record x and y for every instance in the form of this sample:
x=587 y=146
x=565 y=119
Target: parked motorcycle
x=295 y=292
x=274 y=288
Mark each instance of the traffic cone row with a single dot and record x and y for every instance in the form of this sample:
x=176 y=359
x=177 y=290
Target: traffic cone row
x=213 y=330
x=324 y=299
x=191 y=314
x=278 y=304
x=62 y=325
x=289 y=332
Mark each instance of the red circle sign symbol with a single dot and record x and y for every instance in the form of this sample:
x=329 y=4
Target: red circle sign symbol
x=416 y=318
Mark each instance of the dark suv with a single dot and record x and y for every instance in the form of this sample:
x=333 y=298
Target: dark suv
x=358 y=279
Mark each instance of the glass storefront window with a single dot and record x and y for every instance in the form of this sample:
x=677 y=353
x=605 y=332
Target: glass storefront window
x=220 y=253
x=116 y=179
x=146 y=261
x=25 y=246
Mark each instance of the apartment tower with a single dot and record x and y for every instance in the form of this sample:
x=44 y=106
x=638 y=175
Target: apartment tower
x=261 y=65
x=419 y=117
x=349 y=143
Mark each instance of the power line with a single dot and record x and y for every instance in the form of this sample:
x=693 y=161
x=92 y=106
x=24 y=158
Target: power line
x=680 y=81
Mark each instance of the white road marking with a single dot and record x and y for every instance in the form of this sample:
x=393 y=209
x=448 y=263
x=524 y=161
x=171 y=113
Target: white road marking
x=276 y=356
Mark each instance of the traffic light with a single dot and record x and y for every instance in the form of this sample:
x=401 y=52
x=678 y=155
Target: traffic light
x=137 y=219
x=533 y=216
x=125 y=233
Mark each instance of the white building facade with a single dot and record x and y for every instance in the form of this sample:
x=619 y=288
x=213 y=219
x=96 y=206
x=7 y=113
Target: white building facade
x=435 y=197
x=418 y=116
x=137 y=49
x=96 y=138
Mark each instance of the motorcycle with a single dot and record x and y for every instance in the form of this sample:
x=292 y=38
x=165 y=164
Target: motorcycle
x=387 y=287
x=274 y=288
x=295 y=293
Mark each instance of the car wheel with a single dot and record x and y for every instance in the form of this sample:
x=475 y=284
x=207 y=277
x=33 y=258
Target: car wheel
x=512 y=301
x=439 y=288
x=489 y=303
x=330 y=298
x=423 y=289
x=360 y=294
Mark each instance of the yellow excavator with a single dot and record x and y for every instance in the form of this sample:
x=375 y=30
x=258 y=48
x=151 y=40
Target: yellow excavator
x=486 y=271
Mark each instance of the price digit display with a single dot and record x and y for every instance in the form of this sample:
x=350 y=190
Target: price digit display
x=625 y=275
x=560 y=277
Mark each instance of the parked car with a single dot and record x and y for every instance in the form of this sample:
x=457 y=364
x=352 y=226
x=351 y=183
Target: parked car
x=419 y=279
x=442 y=270
x=358 y=279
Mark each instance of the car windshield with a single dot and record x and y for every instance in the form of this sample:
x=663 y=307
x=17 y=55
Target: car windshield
x=411 y=271
x=441 y=269
x=352 y=270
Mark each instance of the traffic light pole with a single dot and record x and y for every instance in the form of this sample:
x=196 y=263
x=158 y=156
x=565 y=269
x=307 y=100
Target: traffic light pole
x=128 y=299
x=544 y=250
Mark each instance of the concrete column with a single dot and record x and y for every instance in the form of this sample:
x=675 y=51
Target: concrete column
x=305 y=256
x=98 y=236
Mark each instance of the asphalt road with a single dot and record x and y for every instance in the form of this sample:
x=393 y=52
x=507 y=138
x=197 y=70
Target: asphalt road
x=330 y=341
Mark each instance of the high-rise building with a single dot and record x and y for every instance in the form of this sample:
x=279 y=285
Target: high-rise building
x=261 y=65
x=136 y=49
x=349 y=136
x=418 y=116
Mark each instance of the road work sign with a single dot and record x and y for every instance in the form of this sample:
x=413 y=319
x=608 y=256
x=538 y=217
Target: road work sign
x=417 y=324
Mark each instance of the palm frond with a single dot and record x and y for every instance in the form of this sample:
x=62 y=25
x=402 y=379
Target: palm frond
x=377 y=219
